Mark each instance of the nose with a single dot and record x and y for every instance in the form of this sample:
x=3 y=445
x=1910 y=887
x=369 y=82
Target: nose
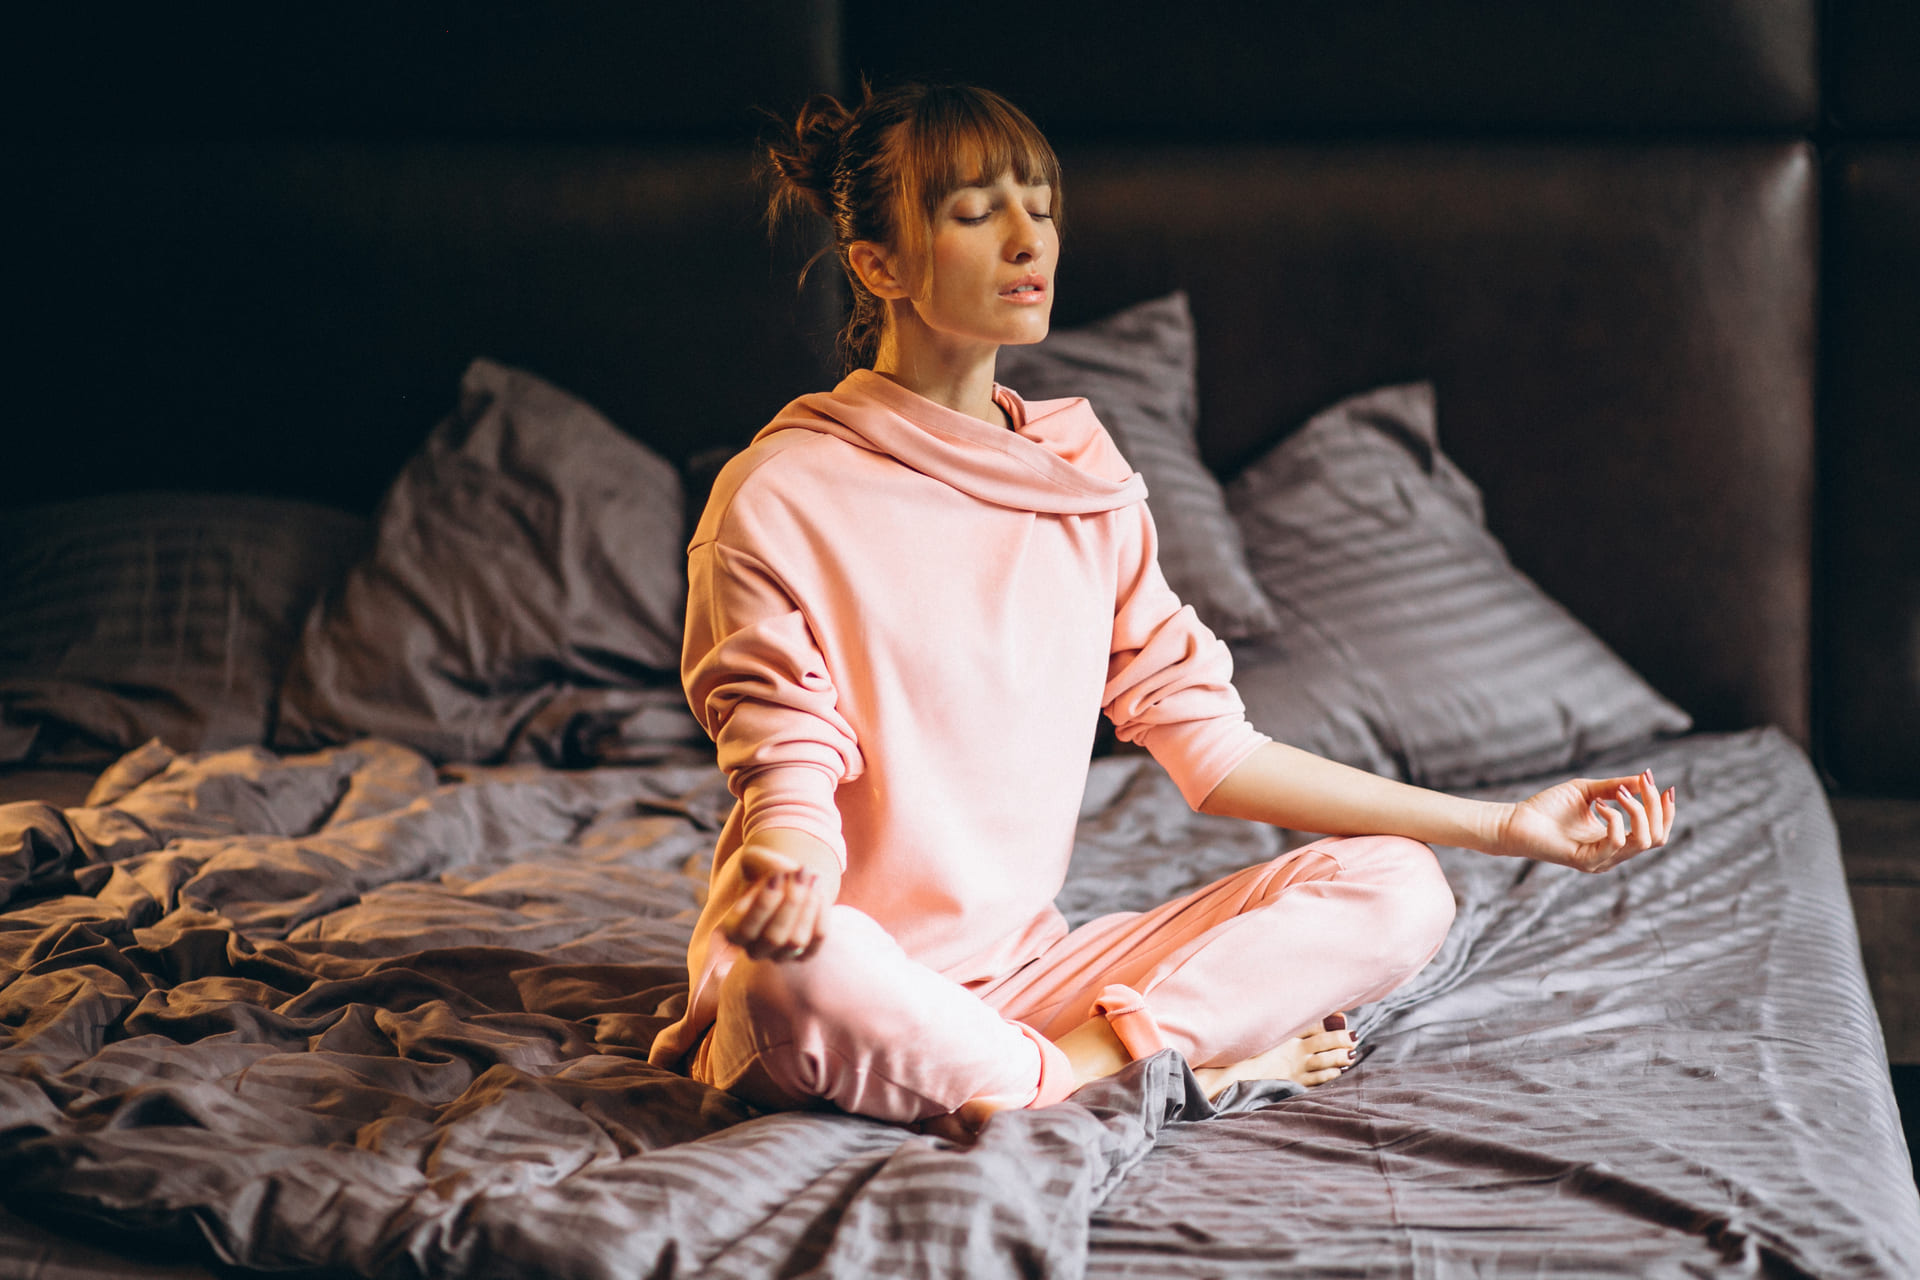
x=1025 y=242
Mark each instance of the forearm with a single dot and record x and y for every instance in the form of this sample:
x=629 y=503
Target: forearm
x=1288 y=787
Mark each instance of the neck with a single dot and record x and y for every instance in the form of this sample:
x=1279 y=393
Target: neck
x=958 y=375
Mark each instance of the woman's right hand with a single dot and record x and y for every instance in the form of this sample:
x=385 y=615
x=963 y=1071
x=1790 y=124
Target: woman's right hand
x=781 y=914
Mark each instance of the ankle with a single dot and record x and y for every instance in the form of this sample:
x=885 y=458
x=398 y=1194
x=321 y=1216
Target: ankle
x=1094 y=1051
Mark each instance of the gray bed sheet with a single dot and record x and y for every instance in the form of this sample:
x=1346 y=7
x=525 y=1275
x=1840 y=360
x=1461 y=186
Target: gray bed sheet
x=343 y=1014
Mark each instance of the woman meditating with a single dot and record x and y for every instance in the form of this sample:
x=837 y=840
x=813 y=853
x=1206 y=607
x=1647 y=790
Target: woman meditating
x=909 y=598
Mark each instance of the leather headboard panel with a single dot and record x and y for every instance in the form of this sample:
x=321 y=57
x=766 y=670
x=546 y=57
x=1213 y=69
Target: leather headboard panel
x=1092 y=69
x=1622 y=341
x=496 y=69
x=294 y=319
x=1870 y=498
x=1873 y=47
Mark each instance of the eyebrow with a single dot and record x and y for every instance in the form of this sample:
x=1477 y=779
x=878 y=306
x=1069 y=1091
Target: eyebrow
x=981 y=184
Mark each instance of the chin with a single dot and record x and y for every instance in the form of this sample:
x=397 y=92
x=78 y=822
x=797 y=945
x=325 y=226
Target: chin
x=1029 y=333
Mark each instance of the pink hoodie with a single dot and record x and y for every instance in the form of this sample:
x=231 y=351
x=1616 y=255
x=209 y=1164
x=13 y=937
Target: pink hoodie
x=901 y=625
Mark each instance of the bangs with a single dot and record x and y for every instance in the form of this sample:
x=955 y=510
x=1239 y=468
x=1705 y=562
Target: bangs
x=965 y=136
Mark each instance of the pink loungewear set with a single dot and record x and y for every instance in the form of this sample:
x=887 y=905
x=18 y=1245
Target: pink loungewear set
x=901 y=624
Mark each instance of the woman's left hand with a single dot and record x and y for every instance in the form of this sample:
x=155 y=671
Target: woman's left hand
x=1572 y=825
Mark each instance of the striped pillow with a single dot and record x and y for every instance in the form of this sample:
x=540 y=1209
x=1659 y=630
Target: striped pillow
x=1137 y=370
x=1407 y=644
x=140 y=615
x=524 y=597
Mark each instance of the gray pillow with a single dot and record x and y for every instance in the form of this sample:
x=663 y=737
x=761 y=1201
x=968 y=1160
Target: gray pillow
x=1137 y=370
x=1407 y=644
x=141 y=615
x=524 y=597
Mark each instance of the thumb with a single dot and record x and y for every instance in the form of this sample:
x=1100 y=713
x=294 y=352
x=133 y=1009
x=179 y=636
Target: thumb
x=1607 y=788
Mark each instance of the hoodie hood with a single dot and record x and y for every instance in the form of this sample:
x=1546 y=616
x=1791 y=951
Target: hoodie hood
x=1058 y=459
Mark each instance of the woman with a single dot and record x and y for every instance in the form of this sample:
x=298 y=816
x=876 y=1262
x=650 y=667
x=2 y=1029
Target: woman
x=908 y=599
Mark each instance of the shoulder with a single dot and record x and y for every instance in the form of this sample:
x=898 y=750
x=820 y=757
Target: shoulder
x=764 y=472
x=788 y=476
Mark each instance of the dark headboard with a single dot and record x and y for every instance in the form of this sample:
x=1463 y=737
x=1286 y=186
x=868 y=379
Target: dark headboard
x=1658 y=257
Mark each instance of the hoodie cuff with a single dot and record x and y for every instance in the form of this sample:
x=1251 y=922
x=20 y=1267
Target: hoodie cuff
x=1199 y=754
x=797 y=797
x=1056 y=1070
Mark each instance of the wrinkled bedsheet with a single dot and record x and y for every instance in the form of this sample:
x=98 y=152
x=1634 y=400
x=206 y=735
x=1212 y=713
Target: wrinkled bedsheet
x=343 y=1013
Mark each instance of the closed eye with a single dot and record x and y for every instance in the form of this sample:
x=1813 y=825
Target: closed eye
x=1043 y=217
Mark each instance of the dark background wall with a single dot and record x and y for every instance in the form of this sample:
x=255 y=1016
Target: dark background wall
x=155 y=350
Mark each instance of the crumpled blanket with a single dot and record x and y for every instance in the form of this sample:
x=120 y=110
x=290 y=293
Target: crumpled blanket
x=343 y=1012
x=336 y=1010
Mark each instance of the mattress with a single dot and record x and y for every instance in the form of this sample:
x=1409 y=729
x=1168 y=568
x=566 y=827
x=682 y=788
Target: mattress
x=345 y=1011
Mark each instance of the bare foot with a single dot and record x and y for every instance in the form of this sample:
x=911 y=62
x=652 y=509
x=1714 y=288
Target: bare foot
x=1315 y=1058
x=1094 y=1052
x=963 y=1126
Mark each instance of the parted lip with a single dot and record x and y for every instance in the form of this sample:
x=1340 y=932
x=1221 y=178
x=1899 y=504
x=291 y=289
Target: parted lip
x=1036 y=280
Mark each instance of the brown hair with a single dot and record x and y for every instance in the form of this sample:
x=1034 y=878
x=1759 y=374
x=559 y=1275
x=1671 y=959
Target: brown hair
x=893 y=154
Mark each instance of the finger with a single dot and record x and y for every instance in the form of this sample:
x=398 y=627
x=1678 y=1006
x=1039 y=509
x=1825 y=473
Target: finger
x=1648 y=797
x=1656 y=809
x=807 y=927
x=1637 y=815
x=1670 y=804
x=811 y=947
x=756 y=913
x=1607 y=788
x=1616 y=836
x=731 y=923
x=783 y=928
x=757 y=864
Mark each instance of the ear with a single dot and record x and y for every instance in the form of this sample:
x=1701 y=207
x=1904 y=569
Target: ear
x=874 y=266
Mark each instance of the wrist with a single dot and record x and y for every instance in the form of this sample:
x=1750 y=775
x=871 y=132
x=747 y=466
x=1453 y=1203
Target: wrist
x=803 y=849
x=1494 y=821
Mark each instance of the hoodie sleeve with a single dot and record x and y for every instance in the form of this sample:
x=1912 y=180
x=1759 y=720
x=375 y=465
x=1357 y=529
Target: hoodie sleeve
x=1169 y=679
x=758 y=684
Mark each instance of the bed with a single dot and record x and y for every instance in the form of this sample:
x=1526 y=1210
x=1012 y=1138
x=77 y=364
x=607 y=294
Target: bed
x=424 y=1053
x=353 y=825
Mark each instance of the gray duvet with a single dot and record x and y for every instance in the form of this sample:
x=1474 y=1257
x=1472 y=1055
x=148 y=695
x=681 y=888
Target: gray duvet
x=342 y=1014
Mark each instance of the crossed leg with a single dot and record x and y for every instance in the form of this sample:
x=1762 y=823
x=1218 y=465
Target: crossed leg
x=1230 y=975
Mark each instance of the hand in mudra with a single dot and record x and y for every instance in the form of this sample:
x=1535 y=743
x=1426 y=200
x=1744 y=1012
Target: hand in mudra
x=782 y=913
x=1572 y=825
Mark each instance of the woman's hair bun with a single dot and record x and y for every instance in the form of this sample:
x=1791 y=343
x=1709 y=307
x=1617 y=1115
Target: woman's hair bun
x=805 y=156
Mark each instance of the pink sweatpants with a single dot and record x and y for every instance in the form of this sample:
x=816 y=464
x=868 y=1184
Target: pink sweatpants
x=1221 y=974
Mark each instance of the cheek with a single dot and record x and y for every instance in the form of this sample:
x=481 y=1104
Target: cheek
x=956 y=269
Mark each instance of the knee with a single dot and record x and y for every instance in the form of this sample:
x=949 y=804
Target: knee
x=1415 y=901
x=780 y=996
